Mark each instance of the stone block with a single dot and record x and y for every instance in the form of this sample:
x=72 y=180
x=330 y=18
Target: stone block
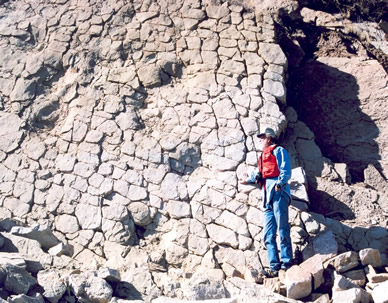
x=356 y=276
x=345 y=261
x=40 y=233
x=352 y=295
x=379 y=293
x=342 y=284
x=298 y=282
x=314 y=266
x=370 y=256
x=325 y=244
x=377 y=278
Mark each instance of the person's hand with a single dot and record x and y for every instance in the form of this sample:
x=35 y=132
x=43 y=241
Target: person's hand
x=243 y=178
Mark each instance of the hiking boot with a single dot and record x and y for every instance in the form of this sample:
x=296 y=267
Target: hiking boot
x=270 y=273
x=286 y=266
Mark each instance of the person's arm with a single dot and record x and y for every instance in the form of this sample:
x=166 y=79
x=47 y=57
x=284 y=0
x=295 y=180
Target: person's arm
x=284 y=166
x=251 y=178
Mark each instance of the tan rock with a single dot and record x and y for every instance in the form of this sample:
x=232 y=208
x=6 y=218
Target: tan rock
x=377 y=278
x=298 y=282
x=314 y=266
x=370 y=256
x=345 y=261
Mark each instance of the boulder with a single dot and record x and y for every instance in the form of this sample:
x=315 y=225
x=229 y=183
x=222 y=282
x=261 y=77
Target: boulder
x=205 y=284
x=18 y=280
x=345 y=261
x=370 y=256
x=314 y=266
x=53 y=285
x=379 y=293
x=149 y=75
x=90 y=288
x=298 y=282
x=40 y=233
x=30 y=250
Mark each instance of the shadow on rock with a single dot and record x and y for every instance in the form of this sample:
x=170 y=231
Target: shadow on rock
x=327 y=100
x=330 y=206
x=127 y=291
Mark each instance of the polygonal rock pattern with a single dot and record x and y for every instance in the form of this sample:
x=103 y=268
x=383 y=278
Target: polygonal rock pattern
x=130 y=124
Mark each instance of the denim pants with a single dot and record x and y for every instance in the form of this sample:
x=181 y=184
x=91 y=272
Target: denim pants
x=276 y=217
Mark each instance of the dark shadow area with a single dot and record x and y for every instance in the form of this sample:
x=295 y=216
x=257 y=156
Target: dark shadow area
x=330 y=206
x=8 y=246
x=125 y=290
x=185 y=158
x=7 y=224
x=326 y=99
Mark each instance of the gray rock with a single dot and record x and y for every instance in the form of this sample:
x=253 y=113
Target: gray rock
x=59 y=250
x=233 y=222
x=149 y=75
x=108 y=274
x=137 y=283
x=349 y=295
x=325 y=244
x=298 y=282
x=222 y=235
x=18 y=280
x=10 y=131
x=40 y=233
x=173 y=187
x=204 y=285
x=140 y=213
x=54 y=287
x=276 y=89
x=65 y=163
x=66 y=224
x=31 y=251
x=89 y=288
x=26 y=299
x=178 y=209
x=13 y=259
x=356 y=293
x=24 y=90
x=88 y=216
x=217 y=12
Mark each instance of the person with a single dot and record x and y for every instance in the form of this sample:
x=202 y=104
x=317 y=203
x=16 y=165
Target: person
x=272 y=175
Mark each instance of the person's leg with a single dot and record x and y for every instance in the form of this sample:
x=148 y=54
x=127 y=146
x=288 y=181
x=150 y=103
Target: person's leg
x=280 y=207
x=270 y=228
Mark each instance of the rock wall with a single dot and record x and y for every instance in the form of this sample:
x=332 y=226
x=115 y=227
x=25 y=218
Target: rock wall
x=125 y=126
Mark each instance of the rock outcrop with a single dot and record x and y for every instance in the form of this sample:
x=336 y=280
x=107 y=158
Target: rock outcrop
x=124 y=128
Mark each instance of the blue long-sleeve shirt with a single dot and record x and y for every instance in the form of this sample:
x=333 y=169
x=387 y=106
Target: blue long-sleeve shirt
x=284 y=165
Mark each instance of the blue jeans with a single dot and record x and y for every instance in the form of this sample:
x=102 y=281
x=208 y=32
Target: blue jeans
x=276 y=217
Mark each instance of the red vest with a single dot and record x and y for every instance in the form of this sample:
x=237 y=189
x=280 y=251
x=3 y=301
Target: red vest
x=270 y=167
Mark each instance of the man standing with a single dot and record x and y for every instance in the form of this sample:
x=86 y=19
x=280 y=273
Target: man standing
x=272 y=175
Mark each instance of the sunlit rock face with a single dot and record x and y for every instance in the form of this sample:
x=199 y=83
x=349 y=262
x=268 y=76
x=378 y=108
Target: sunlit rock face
x=124 y=129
